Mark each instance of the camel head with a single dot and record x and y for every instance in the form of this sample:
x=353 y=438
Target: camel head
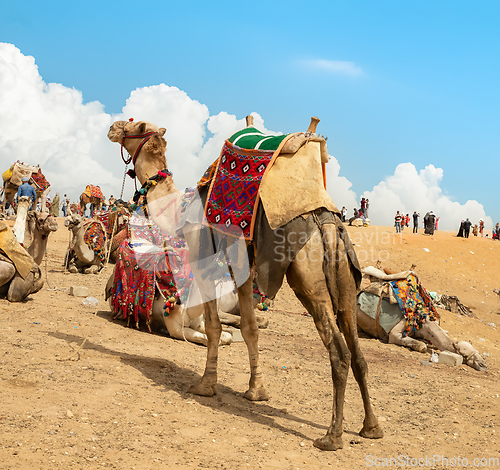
x=471 y=356
x=152 y=155
x=73 y=222
x=43 y=221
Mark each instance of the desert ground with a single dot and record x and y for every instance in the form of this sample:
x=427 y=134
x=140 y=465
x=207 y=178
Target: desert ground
x=81 y=391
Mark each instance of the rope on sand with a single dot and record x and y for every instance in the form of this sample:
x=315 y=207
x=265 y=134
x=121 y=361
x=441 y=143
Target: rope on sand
x=75 y=351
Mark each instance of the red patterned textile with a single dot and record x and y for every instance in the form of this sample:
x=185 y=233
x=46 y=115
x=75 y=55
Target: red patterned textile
x=107 y=218
x=234 y=190
x=138 y=274
x=95 y=191
x=95 y=237
x=103 y=217
x=40 y=180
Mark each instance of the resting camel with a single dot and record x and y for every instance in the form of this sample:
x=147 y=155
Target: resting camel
x=83 y=257
x=326 y=289
x=187 y=323
x=389 y=324
x=20 y=276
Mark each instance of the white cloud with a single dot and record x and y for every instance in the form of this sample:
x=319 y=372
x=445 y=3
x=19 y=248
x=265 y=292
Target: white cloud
x=338 y=67
x=408 y=190
x=49 y=124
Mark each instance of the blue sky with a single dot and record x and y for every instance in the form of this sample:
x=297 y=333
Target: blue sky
x=393 y=82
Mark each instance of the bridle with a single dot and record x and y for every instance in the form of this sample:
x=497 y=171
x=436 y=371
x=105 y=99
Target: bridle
x=145 y=138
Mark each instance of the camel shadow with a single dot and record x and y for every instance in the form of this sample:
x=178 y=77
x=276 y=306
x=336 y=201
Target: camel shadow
x=180 y=378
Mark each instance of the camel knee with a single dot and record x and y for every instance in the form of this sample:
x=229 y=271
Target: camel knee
x=359 y=364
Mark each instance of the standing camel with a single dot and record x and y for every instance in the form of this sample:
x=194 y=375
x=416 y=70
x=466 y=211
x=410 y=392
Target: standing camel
x=92 y=195
x=326 y=289
x=37 y=180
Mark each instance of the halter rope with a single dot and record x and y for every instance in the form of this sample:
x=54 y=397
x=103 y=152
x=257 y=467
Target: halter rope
x=145 y=138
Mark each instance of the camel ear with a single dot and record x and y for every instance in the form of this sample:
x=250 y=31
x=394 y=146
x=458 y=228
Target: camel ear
x=142 y=128
x=162 y=131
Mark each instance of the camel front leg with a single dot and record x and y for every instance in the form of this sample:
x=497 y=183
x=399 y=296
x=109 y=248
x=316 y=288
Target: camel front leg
x=250 y=332
x=396 y=337
x=207 y=387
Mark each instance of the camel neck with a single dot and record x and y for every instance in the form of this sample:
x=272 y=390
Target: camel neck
x=38 y=245
x=20 y=225
x=164 y=187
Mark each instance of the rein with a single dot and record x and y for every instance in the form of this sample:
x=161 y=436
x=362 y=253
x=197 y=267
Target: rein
x=145 y=138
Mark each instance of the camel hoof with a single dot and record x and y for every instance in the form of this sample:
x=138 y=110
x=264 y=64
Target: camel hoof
x=329 y=443
x=73 y=270
x=91 y=270
x=257 y=394
x=374 y=432
x=203 y=390
x=225 y=338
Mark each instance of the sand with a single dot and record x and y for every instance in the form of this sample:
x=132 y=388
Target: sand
x=79 y=390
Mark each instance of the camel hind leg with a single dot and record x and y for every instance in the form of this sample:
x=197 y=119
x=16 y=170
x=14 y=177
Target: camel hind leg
x=340 y=278
x=306 y=277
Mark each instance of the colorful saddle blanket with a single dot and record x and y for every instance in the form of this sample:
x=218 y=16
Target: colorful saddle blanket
x=40 y=180
x=94 y=191
x=95 y=237
x=235 y=183
x=138 y=271
x=415 y=303
x=108 y=218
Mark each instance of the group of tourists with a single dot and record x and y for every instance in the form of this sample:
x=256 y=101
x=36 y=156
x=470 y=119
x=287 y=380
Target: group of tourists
x=361 y=213
x=477 y=229
x=430 y=222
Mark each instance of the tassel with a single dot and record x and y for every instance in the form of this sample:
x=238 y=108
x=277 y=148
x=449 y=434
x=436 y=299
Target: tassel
x=131 y=173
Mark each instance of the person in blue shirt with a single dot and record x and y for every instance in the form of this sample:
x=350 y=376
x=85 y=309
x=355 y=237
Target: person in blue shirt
x=26 y=190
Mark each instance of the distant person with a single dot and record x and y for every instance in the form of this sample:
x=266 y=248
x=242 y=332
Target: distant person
x=436 y=224
x=481 y=226
x=363 y=206
x=461 y=229
x=397 y=222
x=26 y=190
x=65 y=205
x=429 y=223
x=407 y=220
x=475 y=230
x=343 y=212
x=112 y=200
x=415 y=221
x=467 y=225
x=356 y=215
x=54 y=206
x=496 y=232
x=403 y=221
x=367 y=206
